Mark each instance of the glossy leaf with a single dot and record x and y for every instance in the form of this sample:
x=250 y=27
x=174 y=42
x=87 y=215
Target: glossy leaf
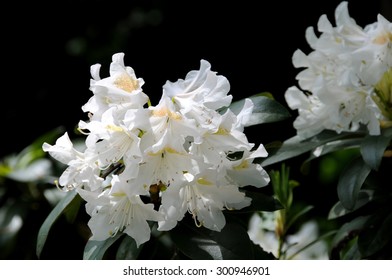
x=338 y=210
x=72 y=210
x=351 y=181
x=95 y=250
x=128 y=249
x=296 y=146
x=373 y=147
x=61 y=207
x=334 y=146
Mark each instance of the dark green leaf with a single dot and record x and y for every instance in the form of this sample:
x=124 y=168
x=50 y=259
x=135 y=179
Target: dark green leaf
x=352 y=252
x=203 y=244
x=95 y=250
x=73 y=209
x=128 y=249
x=351 y=181
x=373 y=147
x=296 y=146
x=345 y=234
x=61 y=206
x=375 y=235
x=334 y=146
x=338 y=210
x=265 y=110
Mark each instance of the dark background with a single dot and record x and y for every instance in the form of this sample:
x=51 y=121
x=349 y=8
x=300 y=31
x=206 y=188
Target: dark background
x=48 y=49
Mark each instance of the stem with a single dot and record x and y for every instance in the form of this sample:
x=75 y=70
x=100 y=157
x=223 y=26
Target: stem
x=281 y=231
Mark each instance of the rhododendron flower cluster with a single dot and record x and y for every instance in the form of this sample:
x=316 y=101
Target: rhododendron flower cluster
x=146 y=163
x=347 y=78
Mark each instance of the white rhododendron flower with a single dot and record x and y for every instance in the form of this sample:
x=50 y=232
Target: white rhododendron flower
x=112 y=212
x=338 y=85
x=122 y=90
x=81 y=170
x=146 y=163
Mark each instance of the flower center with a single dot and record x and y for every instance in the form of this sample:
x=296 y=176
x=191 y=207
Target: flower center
x=122 y=213
x=383 y=38
x=166 y=112
x=125 y=82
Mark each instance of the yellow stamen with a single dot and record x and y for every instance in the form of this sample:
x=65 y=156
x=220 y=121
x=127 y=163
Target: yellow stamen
x=163 y=151
x=114 y=128
x=383 y=38
x=244 y=164
x=119 y=194
x=165 y=112
x=222 y=131
x=125 y=82
x=197 y=222
x=203 y=181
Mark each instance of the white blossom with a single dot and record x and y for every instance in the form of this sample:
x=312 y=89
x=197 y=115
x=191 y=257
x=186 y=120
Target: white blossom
x=122 y=90
x=158 y=163
x=340 y=75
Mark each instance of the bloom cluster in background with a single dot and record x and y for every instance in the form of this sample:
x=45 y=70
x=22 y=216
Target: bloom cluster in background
x=156 y=163
x=347 y=80
x=300 y=245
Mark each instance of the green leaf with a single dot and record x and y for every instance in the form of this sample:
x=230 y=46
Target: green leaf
x=260 y=202
x=95 y=250
x=352 y=252
x=296 y=146
x=283 y=186
x=375 y=235
x=64 y=204
x=351 y=181
x=373 y=147
x=232 y=242
x=265 y=110
x=334 y=146
x=128 y=249
x=345 y=234
x=364 y=197
x=73 y=209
